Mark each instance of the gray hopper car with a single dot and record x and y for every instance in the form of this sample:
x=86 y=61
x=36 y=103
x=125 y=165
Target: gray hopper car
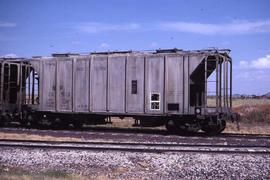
x=163 y=87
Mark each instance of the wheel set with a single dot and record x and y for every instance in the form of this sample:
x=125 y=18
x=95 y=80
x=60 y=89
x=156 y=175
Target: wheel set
x=210 y=126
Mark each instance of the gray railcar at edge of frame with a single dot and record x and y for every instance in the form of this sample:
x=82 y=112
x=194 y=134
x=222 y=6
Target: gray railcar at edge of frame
x=164 y=87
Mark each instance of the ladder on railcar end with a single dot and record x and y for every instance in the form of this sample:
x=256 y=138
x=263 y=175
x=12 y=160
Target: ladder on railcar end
x=30 y=87
x=4 y=85
x=223 y=98
x=3 y=79
x=14 y=77
x=7 y=84
x=1 y=87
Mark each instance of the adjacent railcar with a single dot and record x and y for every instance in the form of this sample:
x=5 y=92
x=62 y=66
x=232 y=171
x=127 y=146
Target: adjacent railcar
x=165 y=87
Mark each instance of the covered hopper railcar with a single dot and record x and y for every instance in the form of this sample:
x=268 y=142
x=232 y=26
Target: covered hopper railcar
x=164 y=87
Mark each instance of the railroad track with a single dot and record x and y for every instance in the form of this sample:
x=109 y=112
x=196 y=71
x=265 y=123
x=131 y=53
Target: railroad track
x=119 y=136
x=248 y=136
x=134 y=131
x=136 y=147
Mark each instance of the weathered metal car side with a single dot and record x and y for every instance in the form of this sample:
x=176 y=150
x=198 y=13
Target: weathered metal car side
x=169 y=84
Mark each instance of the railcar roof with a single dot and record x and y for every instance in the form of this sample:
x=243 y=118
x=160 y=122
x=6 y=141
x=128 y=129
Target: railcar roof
x=166 y=51
x=8 y=59
x=210 y=51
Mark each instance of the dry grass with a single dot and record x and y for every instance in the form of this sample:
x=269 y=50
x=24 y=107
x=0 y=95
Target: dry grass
x=120 y=123
x=250 y=102
x=14 y=173
x=35 y=137
x=253 y=111
x=246 y=128
x=255 y=116
x=27 y=176
x=242 y=102
x=126 y=123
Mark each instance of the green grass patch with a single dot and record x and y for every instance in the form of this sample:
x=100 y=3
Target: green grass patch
x=12 y=172
x=55 y=174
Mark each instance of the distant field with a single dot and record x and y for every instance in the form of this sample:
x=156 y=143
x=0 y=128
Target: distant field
x=253 y=110
x=250 y=102
x=242 y=102
x=255 y=116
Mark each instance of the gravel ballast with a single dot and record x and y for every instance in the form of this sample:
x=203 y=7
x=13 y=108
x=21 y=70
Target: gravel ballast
x=139 y=165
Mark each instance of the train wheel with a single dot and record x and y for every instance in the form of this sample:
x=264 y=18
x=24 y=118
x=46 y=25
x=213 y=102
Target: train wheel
x=214 y=128
x=222 y=126
x=171 y=126
x=182 y=127
x=77 y=125
x=4 y=120
x=65 y=125
x=1 y=121
x=187 y=128
x=24 y=123
x=32 y=120
x=55 y=123
x=59 y=123
x=23 y=120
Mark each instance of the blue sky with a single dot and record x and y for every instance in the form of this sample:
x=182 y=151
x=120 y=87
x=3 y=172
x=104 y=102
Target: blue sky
x=39 y=27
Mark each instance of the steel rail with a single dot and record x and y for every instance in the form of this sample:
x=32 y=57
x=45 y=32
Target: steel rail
x=137 y=147
x=133 y=132
x=244 y=136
